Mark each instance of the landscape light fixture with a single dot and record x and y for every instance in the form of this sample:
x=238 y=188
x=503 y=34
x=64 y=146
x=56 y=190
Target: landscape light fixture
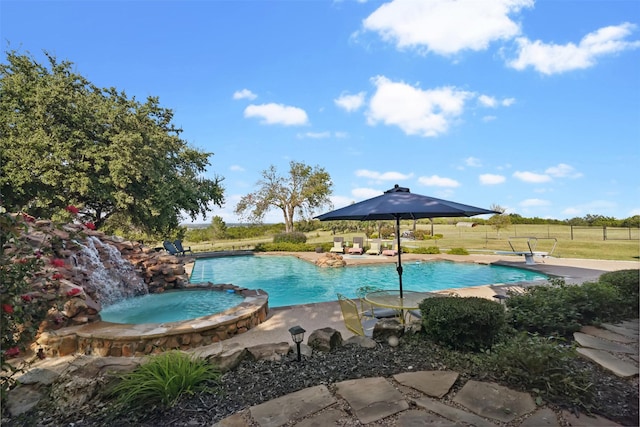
x=297 y=335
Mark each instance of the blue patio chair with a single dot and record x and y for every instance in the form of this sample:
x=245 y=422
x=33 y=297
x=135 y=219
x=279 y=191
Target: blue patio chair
x=170 y=247
x=181 y=250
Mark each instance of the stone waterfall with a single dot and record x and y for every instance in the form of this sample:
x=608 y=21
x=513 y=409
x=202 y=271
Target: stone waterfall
x=107 y=274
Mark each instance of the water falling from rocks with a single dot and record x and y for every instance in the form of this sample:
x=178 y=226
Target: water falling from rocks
x=107 y=273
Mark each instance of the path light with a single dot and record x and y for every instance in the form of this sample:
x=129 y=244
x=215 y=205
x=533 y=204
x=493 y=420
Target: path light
x=297 y=335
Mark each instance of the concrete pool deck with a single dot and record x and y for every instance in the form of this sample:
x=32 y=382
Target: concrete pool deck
x=327 y=314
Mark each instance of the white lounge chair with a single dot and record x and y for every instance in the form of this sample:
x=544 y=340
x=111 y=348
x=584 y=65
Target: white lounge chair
x=338 y=245
x=375 y=248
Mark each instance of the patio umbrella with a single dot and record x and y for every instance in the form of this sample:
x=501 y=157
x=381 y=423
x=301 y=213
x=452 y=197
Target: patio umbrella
x=399 y=203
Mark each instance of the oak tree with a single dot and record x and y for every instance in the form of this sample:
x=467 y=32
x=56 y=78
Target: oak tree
x=65 y=141
x=302 y=191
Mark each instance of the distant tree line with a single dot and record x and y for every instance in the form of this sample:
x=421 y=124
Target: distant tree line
x=587 y=220
x=218 y=230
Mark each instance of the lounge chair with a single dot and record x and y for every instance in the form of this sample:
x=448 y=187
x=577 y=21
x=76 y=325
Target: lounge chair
x=391 y=252
x=358 y=246
x=375 y=248
x=181 y=250
x=338 y=245
x=353 y=320
x=170 y=247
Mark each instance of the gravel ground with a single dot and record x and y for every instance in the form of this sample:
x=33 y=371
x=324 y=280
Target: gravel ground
x=256 y=382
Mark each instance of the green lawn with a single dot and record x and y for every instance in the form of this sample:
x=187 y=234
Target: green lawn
x=621 y=244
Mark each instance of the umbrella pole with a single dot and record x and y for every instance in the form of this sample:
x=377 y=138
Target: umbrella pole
x=399 y=267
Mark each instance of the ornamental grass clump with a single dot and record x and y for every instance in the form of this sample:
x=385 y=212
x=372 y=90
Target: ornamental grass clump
x=163 y=379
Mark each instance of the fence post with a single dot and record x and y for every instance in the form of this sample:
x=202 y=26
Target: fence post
x=572 y=232
x=604 y=232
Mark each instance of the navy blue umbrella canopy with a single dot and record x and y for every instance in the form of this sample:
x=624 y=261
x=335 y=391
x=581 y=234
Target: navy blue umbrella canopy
x=399 y=203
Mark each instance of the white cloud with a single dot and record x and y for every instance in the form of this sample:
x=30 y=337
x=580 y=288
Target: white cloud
x=507 y=102
x=236 y=168
x=472 y=162
x=315 y=135
x=531 y=177
x=600 y=207
x=488 y=119
x=554 y=58
x=350 y=102
x=491 y=179
x=244 y=94
x=445 y=27
x=488 y=101
x=383 y=176
x=528 y=203
x=427 y=113
x=365 y=193
x=277 y=114
x=563 y=170
x=437 y=181
x=571 y=212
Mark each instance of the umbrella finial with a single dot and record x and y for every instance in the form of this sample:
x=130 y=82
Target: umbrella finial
x=397 y=189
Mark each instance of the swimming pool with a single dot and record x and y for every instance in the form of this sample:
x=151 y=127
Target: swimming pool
x=291 y=281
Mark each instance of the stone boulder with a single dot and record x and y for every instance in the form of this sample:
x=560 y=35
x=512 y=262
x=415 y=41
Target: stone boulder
x=331 y=260
x=386 y=328
x=325 y=339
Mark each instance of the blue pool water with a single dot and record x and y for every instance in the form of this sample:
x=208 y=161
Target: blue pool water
x=291 y=281
x=170 y=306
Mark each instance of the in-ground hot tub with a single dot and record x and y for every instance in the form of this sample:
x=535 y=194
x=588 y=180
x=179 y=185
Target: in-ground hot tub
x=118 y=339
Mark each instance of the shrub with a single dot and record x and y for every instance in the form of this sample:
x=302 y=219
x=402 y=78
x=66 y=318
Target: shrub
x=463 y=323
x=544 y=310
x=421 y=234
x=163 y=378
x=285 y=247
x=596 y=302
x=293 y=237
x=429 y=250
x=562 y=309
x=544 y=366
x=458 y=251
x=627 y=282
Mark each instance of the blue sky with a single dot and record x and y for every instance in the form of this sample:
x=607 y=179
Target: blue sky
x=533 y=106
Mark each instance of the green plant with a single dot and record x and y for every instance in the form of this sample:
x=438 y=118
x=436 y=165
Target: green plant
x=292 y=237
x=287 y=247
x=544 y=309
x=163 y=378
x=469 y=323
x=458 y=251
x=627 y=282
x=596 y=302
x=26 y=292
x=562 y=309
x=421 y=234
x=429 y=250
x=545 y=366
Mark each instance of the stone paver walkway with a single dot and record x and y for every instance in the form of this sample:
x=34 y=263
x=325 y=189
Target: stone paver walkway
x=425 y=398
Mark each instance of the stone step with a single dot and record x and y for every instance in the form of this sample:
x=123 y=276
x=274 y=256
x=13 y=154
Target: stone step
x=609 y=362
x=606 y=334
x=593 y=342
x=631 y=333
